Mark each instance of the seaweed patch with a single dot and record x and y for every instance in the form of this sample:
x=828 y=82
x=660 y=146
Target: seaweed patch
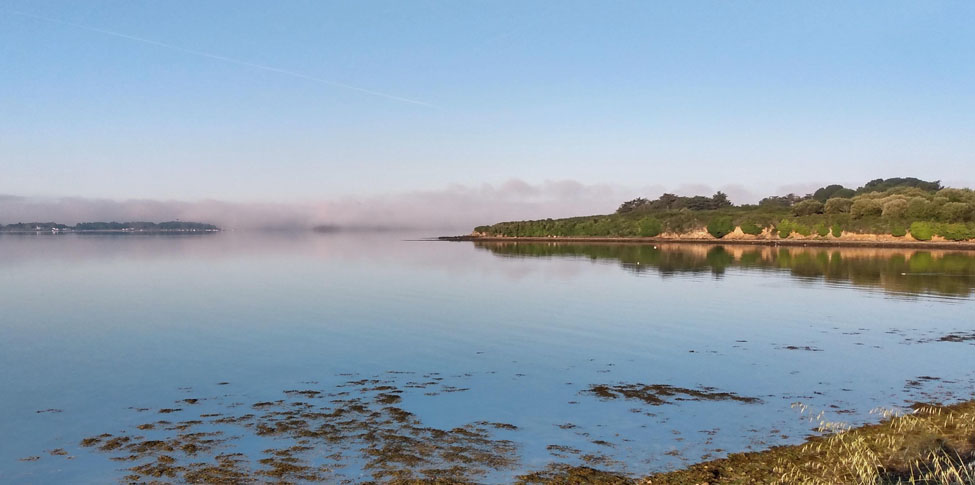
x=660 y=394
x=315 y=434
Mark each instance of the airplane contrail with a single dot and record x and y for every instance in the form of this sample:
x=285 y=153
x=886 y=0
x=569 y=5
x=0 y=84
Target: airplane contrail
x=225 y=59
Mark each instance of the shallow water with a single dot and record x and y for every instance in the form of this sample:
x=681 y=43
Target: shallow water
x=98 y=333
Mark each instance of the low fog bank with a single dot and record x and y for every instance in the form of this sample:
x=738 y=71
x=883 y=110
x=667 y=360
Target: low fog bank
x=455 y=207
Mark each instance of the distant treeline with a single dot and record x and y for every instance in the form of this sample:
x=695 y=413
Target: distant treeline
x=895 y=206
x=171 y=226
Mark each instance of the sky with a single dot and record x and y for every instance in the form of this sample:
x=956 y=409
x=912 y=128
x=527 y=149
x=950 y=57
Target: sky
x=340 y=104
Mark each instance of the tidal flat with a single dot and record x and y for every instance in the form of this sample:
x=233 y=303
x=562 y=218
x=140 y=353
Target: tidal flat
x=239 y=358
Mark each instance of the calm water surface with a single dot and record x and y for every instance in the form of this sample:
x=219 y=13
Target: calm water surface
x=98 y=333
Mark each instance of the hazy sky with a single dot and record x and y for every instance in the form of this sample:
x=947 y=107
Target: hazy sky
x=324 y=100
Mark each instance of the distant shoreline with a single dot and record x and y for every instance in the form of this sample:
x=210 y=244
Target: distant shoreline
x=130 y=227
x=837 y=243
x=113 y=231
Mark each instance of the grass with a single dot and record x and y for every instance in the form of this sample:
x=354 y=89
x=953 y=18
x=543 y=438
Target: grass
x=932 y=445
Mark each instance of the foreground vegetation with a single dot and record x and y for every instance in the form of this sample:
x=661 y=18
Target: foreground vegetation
x=907 y=208
x=932 y=445
x=171 y=226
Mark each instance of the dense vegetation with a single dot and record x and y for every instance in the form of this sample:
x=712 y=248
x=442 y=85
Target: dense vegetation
x=895 y=206
x=171 y=226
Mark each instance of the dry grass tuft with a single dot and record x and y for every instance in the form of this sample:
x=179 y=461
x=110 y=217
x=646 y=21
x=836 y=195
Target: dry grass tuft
x=931 y=445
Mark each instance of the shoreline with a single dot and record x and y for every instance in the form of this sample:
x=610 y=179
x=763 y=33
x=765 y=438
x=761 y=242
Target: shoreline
x=112 y=231
x=829 y=243
x=917 y=444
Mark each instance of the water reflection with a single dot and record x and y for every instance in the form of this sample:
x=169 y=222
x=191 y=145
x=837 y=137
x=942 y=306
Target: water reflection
x=542 y=340
x=895 y=271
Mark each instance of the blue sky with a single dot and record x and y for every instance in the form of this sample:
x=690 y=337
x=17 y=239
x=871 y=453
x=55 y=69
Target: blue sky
x=244 y=101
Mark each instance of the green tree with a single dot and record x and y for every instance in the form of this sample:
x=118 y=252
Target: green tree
x=720 y=200
x=631 y=205
x=881 y=185
x=831 y=191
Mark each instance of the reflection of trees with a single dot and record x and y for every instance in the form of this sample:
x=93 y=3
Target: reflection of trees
x=898 y=271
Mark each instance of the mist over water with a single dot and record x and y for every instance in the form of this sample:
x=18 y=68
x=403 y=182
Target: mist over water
x=99 y=333
x=454 y=209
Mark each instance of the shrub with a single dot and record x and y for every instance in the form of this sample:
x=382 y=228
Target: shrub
x=919 y=208
x=583 y=228
x=898 y=230
x=838 y=206
x=683 y=222
x=955 y=212
x=720 y=227
x=650 y=227
x=822 y=229
x=802 y=229
x=751 y=228
x=603 y=227
x=807 y=208
x=865 y=207
x=837 y=230
x=895 y=208
x=955 y=232
x=785 y=228
x=922 y=231
x=953 y=195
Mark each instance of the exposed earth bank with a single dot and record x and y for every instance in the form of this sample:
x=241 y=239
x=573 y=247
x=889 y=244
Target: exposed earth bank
x=739 y=237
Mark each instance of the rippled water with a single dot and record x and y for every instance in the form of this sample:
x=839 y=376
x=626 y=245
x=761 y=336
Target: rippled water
x=99 y=333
